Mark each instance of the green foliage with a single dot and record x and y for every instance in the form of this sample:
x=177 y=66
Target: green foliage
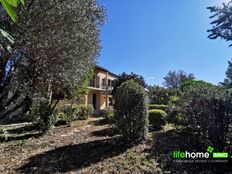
x=55 y=45
x=207 y=111
x=42 y=112
x=63 y=117
x=157 y=118
x=74 y=112
x=161 y=95
x=64 y=113
x=221 y=26
x=108 y=114
x=174 y=79
x=155 y=106
x=10 y=5
x=228 y=80
x=195 y=84
x=174 y=111
x=131 y=110
x=85 y=112
x=3 y=132
x=125 y=77
x=81 y=89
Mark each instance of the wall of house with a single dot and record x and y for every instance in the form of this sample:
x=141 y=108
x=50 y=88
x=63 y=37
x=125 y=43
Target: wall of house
x=90 y=98
x=99 y=74
x=102 y=102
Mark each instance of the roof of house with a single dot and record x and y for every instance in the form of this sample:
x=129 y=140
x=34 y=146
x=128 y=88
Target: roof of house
x=106 y=70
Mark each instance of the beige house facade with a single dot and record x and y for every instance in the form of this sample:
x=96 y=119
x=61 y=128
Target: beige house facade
x=100 y=89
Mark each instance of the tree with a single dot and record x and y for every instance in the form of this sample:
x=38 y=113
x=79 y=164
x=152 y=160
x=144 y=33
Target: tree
x=125 y=77
x=195 y=84
x=174 y=79
x=207 y=110
x=221 y=26
x=228 y=80
x=160 y=95
x=56 y=42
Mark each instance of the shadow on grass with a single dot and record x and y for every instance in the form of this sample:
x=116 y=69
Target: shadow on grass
x=100 y=122
x=110 y=132
x=164 y=143
x=74 y=157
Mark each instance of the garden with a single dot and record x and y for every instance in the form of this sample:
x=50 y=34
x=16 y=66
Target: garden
x=48 y=50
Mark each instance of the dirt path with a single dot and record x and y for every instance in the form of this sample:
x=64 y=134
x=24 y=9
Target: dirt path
x=86 y=147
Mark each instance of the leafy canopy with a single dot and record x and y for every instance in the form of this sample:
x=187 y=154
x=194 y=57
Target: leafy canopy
x=126 y=77
x=174 y=79
x=221 y=25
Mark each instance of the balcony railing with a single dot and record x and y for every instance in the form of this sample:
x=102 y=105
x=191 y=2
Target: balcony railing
x=100 y=86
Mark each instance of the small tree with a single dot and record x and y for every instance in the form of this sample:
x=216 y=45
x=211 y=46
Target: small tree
x=125 y=77
x=174 y=79
x=161 y=95
x=188 y=85
x=131 y=111
x=228 y=80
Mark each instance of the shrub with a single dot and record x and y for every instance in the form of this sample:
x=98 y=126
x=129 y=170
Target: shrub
x=174 y=112
x=131 y=110
x=161 y=95
x=208 y=111
x=42 y=112
x=62 y=117
x=78 y=112
x=155 y=106
x=85 y=112
x=63 y=114
x=157 y=118
x=108 y=114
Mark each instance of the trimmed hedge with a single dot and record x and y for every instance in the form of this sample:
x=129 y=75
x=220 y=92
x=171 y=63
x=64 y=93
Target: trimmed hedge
x=157 y=118
x=131 y=110
x=155 y=106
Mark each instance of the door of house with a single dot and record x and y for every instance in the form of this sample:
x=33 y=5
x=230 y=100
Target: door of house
x=94 y=101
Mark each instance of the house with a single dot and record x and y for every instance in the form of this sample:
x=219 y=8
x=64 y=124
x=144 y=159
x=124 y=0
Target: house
x=100 y=89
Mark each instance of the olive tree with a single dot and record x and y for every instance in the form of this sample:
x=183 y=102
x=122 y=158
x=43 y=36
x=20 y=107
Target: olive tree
x=56 y=43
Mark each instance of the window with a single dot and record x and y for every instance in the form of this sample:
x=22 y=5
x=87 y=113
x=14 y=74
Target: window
x=98 y=82
x=104 y=82
x=109 y=82
x=112 y=83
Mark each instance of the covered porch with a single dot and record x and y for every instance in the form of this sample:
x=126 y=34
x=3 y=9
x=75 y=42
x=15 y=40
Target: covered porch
x=99 y=98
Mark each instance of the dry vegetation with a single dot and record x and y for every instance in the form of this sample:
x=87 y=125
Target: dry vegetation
x=86 y=147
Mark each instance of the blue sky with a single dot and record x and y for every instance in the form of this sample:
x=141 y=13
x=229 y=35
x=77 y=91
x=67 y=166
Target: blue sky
x=151 y=37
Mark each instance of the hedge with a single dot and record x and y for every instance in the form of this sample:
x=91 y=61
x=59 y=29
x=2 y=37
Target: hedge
x=157 y=118
x=155 y=106
x=131 y=110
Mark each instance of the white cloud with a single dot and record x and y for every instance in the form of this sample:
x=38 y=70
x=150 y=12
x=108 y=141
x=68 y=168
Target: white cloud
x=150 y=78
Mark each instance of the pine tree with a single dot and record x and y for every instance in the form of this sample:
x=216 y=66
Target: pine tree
x=228 y=80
